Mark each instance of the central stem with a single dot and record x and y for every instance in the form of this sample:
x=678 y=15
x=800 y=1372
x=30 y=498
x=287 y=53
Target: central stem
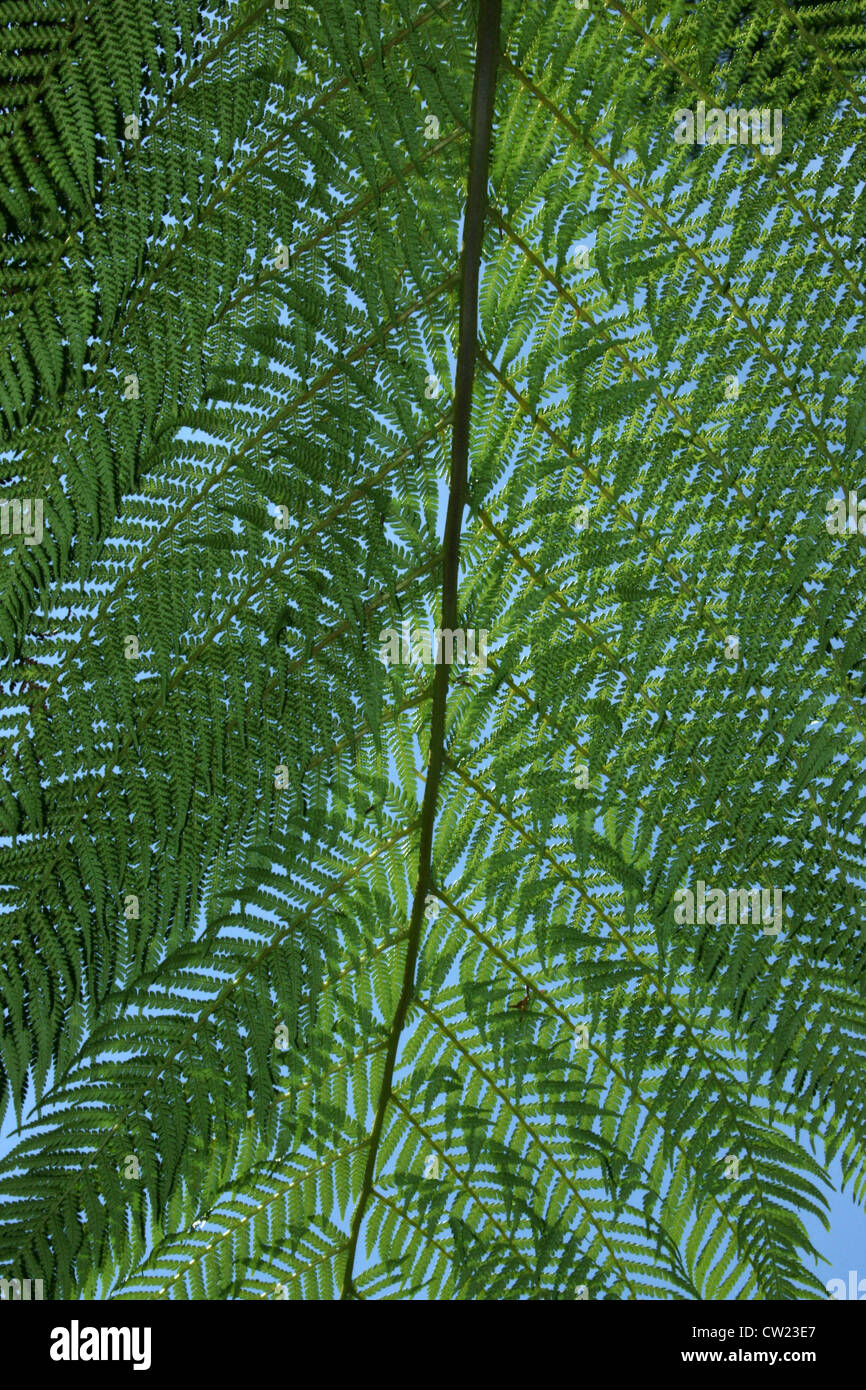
x=483 y=93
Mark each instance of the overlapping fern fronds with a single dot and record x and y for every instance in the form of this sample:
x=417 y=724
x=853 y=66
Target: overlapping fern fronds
x=238 y=244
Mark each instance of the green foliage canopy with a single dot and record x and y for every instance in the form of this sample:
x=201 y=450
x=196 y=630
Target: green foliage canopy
x=331 y=978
